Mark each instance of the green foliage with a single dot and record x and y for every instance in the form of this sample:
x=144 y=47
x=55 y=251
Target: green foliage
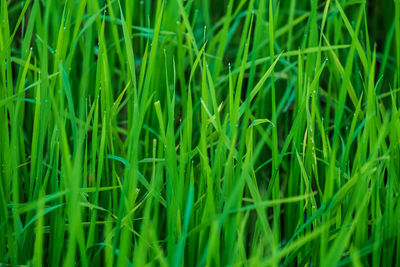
x=200 y=133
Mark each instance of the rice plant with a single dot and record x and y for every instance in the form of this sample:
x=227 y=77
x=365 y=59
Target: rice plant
x=200 y=133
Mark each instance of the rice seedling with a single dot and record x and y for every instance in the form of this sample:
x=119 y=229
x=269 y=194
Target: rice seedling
x=199 y=133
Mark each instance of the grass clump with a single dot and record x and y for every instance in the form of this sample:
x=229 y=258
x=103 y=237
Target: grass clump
x=200 y=133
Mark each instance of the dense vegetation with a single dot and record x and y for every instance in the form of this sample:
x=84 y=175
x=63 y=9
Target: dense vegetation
x=199 y=132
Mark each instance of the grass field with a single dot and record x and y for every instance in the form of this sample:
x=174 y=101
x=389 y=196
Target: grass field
x=200 y=133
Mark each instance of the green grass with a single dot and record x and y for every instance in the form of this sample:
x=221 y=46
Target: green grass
x=200 y=133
